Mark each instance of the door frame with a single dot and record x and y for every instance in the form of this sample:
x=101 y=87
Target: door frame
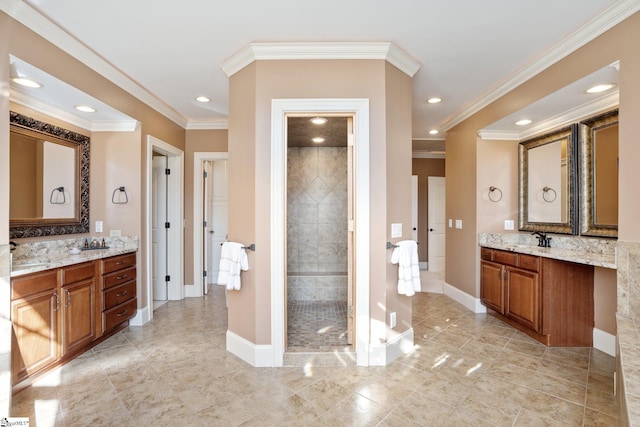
x=175 y=215
x=280 y=108
x=199 y=157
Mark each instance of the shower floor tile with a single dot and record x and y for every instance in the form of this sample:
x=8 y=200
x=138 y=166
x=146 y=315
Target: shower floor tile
x=316 y=325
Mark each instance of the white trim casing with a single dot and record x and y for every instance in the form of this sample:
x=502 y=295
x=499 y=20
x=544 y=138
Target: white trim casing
x=175 y=215
x=198 y=158
x=385 y=353
x=279 y=109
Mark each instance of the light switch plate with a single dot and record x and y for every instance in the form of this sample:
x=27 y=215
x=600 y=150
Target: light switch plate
x=508 y=224
x=98 y=226
x=450 y=223
x=396 y=230
x=458 y=223
x=392 y=320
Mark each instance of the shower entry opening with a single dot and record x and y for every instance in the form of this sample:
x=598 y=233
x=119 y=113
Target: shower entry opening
x=319 y=315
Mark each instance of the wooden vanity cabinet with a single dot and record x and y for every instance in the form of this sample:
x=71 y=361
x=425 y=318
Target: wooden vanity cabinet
x=548 y=299
x=78 y=305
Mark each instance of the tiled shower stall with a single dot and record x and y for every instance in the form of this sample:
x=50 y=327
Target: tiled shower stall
x=317 y=252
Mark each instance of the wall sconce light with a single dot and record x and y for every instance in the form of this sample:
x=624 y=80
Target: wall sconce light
x=495 y=194
x=117 y=196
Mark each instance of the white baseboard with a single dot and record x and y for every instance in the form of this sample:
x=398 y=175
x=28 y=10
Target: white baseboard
x=142 y=316
x=464 y=298
x=424 y=265
x=604 y=341
x=253 y=354
x=386 y=353
x=192 y=291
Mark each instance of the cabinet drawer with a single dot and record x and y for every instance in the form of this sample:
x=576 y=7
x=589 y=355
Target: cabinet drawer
x=77 y=272
x=504 y=257
x=118 y=314
x=119 y=277
x=118 y=263
x=528 y=262
x=486 y=254
x=119 y=294
x=33 y=283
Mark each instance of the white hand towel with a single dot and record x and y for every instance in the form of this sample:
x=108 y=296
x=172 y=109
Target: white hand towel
x=232 y=259
x=406 y=256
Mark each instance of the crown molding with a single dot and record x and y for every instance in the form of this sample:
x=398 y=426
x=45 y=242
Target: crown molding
x=576 y=114
x=603 y=22
x=310 y=50
x=73 y=119
x=221 y=125
x=36 y=22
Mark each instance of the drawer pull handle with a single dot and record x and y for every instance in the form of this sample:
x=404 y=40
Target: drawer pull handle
x=121 y=294
x=122 y=313
x=120 y=263
x=121 y=277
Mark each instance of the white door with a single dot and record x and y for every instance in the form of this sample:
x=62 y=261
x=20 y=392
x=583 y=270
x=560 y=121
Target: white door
x=217 y=215
x=158 y=231
x=437 y=230
x=414 y=207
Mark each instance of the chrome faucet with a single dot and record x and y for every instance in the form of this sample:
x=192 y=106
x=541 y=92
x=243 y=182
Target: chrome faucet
x=543 y=240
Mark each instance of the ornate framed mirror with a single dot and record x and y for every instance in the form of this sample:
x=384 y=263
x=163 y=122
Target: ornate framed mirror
x=547 y=182
x=49 y=179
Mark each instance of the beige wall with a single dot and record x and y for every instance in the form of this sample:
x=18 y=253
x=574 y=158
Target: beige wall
x=196 y=141
x=462 y=148
x=425 y=168
x=249 y=193
x=32 y=48
x=604 y=296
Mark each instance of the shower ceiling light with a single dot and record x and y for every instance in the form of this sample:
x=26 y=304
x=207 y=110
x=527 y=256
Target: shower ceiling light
x=203 y=99
x=318 y=120
x=85 y=109
x=523 y=122
x=433 y=132
x=434 y=100
x=318 y=139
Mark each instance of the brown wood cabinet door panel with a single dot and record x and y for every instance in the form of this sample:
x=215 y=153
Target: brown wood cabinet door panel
x=34 y=334
x=35 y=283
x=118 y=263
x=118 y=277
x=78 y=272
x=119 y=294
x=78 y=302
x=523 y=296
x=492 y=286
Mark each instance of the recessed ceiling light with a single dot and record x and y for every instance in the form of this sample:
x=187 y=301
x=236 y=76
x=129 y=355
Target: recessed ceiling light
x=85 y=109
x=18 y=78
x=523 y=122
x=434 y=100
x=318 y=139
x=434 y=132
x=203 y=99
x=318 y=120
x=601 y=88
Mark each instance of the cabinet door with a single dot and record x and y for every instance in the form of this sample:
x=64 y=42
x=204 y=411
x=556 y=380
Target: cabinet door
x=34 y=321
x=78 y=301
x=492 y=286
x=523 y=297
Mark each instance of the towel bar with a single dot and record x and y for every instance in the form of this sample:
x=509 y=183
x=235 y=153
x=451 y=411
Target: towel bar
x=251 y=247
x=391 y=245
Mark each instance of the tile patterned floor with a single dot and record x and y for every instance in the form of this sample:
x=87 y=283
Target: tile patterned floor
x=466 y=369
x=319 y=325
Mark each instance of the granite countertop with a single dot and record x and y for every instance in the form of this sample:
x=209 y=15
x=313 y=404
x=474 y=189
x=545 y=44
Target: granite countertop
x=60 y=256
x=572 y=255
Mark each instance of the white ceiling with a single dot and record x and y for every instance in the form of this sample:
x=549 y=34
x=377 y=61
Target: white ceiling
x=470 y=52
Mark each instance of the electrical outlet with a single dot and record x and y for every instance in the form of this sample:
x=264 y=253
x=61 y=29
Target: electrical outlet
x=509 y=224
x=450 y=223
x=392 y=320
x=98 y=226
x=459 y=223
x=396 y=230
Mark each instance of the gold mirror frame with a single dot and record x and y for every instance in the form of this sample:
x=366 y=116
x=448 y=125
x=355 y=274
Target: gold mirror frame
x=39 y=227
x=570 y=226
x=588 y=197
